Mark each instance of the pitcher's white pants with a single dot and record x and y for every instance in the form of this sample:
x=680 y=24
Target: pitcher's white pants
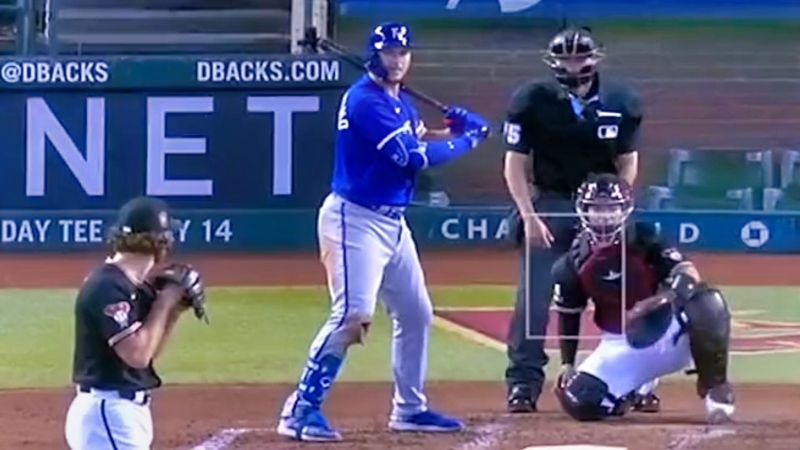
x=100 y=420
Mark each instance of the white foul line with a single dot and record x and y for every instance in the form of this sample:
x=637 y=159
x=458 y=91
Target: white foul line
x=488 y=436
x=690 y=439
x=222 y=439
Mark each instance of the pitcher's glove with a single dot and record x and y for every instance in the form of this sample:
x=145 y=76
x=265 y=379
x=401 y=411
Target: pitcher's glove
x=189 y=279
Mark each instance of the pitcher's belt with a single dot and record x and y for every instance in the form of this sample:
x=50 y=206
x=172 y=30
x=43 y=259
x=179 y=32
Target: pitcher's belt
x=139 y=397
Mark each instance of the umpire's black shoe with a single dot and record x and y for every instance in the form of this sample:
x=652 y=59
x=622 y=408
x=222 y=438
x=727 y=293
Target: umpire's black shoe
x=520 y=400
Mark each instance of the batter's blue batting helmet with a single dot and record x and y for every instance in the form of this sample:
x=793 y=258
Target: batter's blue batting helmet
x=386 y=35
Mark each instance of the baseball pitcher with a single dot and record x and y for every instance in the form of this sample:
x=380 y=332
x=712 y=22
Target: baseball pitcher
x=366 y=245
x=670 y=318
x=124 y=314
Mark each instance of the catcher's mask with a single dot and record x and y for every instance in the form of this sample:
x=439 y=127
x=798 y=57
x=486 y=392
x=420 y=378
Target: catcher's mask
x=573 y=56
x=603 y=205
x=144 y=226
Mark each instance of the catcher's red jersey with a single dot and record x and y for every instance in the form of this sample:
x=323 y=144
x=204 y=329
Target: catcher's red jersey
x=588 y=271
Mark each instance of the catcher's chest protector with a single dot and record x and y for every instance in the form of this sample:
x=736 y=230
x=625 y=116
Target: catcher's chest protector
x=601 y=275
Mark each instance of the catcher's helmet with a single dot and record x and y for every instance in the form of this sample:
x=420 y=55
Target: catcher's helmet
x=573 y=55
x=603 y=205
x=386 y=35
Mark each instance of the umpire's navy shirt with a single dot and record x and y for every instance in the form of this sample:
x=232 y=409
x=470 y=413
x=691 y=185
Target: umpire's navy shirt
x=570 y=138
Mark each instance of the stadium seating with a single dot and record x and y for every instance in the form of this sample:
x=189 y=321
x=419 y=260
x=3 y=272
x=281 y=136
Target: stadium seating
x=172 y=26
x=683 y=198
x=790 y=176
x=713 y=179
x=785 y=197
x=7 y=13
x=11 y=15
x=427 y=192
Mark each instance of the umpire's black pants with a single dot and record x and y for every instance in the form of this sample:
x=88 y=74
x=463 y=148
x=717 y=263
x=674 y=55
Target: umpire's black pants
x=527 y=358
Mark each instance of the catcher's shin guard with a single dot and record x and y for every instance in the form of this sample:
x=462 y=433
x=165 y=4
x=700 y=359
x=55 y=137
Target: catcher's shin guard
x=708 y=323
x=582 y=398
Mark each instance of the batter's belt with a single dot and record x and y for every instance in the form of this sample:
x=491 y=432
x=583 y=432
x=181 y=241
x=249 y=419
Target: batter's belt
x=395 y=212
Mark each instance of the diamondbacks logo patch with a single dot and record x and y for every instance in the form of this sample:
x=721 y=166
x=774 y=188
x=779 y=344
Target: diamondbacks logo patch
x=119 y=312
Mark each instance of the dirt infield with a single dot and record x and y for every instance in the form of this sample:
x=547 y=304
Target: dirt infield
x=441 y=268
x=242 y=416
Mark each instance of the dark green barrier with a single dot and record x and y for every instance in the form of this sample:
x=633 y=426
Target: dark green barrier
x=176 y=72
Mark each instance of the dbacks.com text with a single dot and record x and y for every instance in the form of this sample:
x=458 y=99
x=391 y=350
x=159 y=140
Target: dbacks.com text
x=265 y=71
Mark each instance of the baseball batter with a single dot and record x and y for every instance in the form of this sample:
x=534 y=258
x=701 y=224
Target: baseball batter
x=671 y=318
x=366 y=246
x=124 y=313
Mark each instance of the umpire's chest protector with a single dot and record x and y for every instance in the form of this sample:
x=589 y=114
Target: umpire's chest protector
x=591 y=139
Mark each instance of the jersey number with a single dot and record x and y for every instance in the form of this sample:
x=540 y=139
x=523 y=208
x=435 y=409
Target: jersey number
x=512 y=133
x=341 y=122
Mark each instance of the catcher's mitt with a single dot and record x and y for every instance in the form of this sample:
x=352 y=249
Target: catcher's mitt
x=189 y=279
x=649 y=319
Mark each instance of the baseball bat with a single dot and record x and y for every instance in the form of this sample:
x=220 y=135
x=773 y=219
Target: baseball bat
x=315 y=43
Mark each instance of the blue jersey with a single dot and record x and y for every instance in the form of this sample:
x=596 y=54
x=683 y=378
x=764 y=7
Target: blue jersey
x=376 y=133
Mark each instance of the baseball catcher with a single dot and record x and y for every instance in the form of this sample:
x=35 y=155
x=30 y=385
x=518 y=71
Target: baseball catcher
x=663 y=319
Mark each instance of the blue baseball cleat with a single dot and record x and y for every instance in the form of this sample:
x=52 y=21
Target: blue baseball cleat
x=426 y=422
x=312 y=426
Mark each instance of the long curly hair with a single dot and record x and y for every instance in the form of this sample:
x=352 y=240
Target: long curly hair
x=154 y=244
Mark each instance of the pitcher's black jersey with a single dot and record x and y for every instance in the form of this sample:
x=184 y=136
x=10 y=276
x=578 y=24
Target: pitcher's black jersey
x=109 y=309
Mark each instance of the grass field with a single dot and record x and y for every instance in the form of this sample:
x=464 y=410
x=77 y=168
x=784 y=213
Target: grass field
x=262 y=335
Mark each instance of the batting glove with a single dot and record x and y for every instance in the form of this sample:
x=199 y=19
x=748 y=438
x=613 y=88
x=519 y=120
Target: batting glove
x=456 y=118
x=476 y=128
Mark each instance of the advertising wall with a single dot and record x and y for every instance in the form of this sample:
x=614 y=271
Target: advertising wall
x=769 y=9
x=705 y=231
x=222 y=139
x=241 y=148
x=200 y=132
x=261 y=230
